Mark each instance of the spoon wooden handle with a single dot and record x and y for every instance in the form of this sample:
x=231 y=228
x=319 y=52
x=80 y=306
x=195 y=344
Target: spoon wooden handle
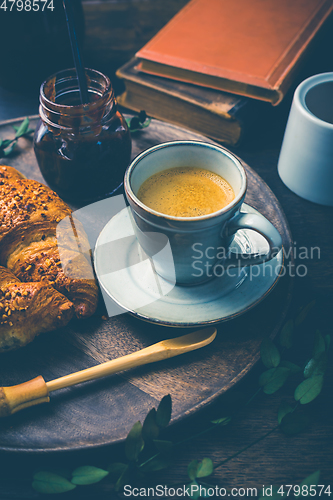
x=17 y=397
x=33 y=392
x=155 y=352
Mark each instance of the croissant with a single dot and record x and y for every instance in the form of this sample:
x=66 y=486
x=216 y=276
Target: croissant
x=28 y=309
x=39 y=241
x=9 y=173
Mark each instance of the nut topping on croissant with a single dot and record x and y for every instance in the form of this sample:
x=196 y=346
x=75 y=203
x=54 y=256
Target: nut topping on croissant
x=28 y=309
x=30 y=244
x=9 y=173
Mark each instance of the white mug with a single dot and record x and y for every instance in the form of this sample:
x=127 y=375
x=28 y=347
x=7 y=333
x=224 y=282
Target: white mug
x=306 y=158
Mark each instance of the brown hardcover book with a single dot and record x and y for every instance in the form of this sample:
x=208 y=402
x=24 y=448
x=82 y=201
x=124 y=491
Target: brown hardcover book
x=248 y=47
x=213 y=113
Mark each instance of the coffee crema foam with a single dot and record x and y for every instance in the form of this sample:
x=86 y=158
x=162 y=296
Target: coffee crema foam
x=186 y=192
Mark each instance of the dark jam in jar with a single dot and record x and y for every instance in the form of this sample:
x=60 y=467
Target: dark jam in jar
x=82 y=149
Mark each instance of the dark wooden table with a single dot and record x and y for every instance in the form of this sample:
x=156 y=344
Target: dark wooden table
x=277 y=459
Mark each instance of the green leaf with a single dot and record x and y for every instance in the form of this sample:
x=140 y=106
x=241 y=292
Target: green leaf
x=22 y=128
x=309 y=389
x=327 y=341
x=318 y=363
x=279 y=379
x=319 y=344
x=146 y=123
x=163 y=445
x=205 y=467
x=61 y=471
x=48 y=482
x=294 y=423
x=266 y=376
x=283 y=410
x=286 y=335
x=273 y=379
x=193 y=490
x=164 y=410
x=138 y=122
x=309 y=368
x=134 y=443
x=292 y=367
x=150 y=429
x=123 y=479
x=304 y=312
x=200 y=469
x=156 y=463
x=88 y=474
x=116 y=469
x=5 y=143
x=222 y=421
x=269 y=353
x=313 y=479
x=9 y=150
x=134 y=124
x=192 y=469
x=29 y=131
x=316 y=366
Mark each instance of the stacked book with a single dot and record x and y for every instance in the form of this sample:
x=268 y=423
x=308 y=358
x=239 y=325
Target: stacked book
x=217 y=63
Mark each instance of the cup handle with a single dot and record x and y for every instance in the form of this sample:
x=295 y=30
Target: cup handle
x=262 y=226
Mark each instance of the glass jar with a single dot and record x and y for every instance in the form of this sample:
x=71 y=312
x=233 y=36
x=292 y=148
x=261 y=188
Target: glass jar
x=82 y=149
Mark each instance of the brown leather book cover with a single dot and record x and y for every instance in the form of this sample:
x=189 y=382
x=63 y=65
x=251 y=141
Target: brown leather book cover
x=207 y=111
x=248 y=47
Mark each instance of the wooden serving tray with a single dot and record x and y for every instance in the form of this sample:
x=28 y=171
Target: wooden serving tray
x=102 y=412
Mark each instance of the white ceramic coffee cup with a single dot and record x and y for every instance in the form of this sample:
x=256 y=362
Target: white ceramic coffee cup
x=306 y=159
x=211 y=231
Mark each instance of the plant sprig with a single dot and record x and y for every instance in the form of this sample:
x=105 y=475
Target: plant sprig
x=139 y=122
x=7 y=145
x=146 y=452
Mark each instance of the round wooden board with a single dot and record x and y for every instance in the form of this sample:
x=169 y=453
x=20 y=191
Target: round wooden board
x=102 y=412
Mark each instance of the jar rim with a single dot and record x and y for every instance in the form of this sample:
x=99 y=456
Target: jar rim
x=71 y=75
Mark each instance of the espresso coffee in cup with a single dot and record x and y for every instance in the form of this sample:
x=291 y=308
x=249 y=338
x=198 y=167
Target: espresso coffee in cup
x=186 y=192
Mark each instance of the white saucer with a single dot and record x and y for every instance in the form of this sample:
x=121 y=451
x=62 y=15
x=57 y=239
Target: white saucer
x=130 y=284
